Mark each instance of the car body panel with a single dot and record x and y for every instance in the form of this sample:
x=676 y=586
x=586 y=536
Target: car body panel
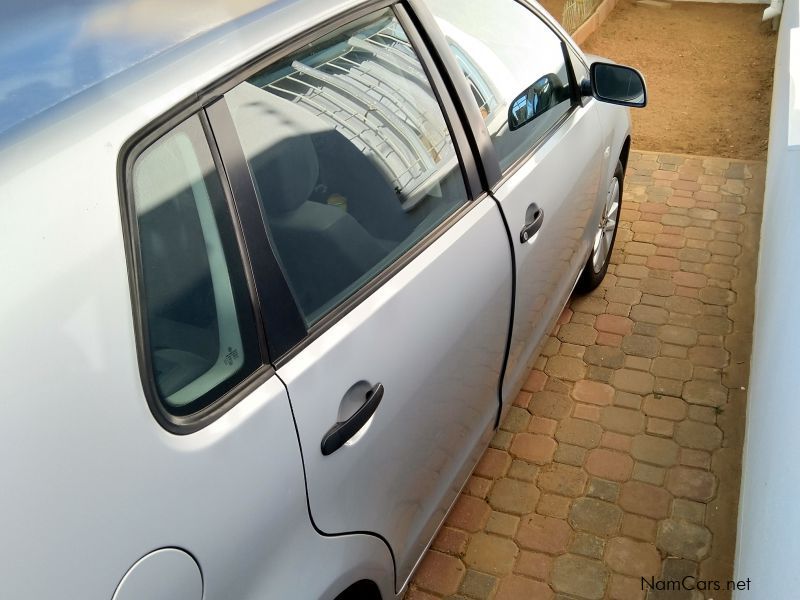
x=563 y=177
x=402 y=471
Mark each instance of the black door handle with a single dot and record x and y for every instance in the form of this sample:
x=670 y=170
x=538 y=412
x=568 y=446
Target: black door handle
x=534 y=217
x=344 y=430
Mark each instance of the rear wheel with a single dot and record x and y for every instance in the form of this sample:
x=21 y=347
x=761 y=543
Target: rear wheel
x=606 y=232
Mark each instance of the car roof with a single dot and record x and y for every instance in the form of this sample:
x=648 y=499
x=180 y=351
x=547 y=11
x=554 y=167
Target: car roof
x=54 y=50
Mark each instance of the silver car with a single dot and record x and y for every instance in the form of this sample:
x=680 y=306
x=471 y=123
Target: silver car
x=273 y=273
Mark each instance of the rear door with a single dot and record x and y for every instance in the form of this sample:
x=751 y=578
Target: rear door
x=547 y=144
x=397 y=271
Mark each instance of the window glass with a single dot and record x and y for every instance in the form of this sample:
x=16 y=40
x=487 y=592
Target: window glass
x=515 y=66
x=201 y=331
x=351 y=156
x=578 y=66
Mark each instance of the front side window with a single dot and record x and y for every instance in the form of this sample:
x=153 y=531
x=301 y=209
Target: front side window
x=199 y=323
x=351 y=157
x=515 y=65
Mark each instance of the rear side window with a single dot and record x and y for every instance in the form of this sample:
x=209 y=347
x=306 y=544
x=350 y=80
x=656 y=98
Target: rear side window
x=515 y=65
x=200 y=330
x=351 y=156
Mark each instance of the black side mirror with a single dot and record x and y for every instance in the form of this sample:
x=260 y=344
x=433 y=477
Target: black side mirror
x=615 y=84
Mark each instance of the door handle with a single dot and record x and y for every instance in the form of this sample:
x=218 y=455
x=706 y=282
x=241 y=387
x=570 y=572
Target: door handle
x=344 y=430
x=534 y=217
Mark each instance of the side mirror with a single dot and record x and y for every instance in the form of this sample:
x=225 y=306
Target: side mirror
x=616 y=84
x=541 y=96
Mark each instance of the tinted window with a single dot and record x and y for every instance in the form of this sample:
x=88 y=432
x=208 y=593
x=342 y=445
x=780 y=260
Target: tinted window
x=199 y=321
x=351 y=156
x=512 y=61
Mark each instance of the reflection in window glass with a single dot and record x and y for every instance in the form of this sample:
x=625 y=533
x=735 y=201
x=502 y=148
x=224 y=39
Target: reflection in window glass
x=505 y=51
x=200 y=327
x=351 y=156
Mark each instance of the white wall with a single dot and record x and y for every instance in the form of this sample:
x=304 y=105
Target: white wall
x=768 y=543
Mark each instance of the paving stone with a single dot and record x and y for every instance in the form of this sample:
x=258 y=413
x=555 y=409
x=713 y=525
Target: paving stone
x=665 y=407
x=491 y=554
x=681 y=336
x=707 y=356
x=668 y=387
x=570 y=455
x=630 y=557
x=516 y=419
x=645 y=499
x=640 y=345
x=553 y=505
x=549 y=404
x=593 y=392
x=514 y=587
x=699 y=436
x=562 y=479
x=694 y=484
x=524 y=471
x=621 y=587
x=649 y=473
x=587 y=544
x=655 y=450
x=579 y=433
x=535 y=448
x=614 y=324
x=673 y=368
x=493 y=464
x=450 y=541
x=514 y=496
x=636 y=382
x=439 y=573
x=649 y=314
x=622 y=420
x=565 y=367
x=704 y=414
x=478 y=585
x=575 y=333
x=534 y=564
x=595 y=516
x=608 y=464
x=543 y=534
x=706 y=393
x=683 y=539
x=638 y=363
x=502 y=524
x=602 y=489
x=628 y=400
x=587 y=412
x=712 y=325
x=579 y=576
x=639 y=527
x=469 y=514
x=478 y=487
x=660 y=427
x=501 y=440
x=689 y=510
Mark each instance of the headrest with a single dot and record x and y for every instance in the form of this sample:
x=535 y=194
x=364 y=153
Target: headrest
x=275 y=134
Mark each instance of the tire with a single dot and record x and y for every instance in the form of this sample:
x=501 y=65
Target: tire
x=605 y=234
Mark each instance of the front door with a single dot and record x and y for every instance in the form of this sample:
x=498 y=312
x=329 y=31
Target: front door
x=401 y=279
x=548 y=146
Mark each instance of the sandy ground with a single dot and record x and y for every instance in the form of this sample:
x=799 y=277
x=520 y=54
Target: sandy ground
x=708 y=69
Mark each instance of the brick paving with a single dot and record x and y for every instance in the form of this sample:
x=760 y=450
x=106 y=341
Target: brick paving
x=620 y=458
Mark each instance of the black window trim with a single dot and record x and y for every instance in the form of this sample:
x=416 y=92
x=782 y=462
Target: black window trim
x=205 y=103
x=180 y=424
x=290 y=342
x=485 y=151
